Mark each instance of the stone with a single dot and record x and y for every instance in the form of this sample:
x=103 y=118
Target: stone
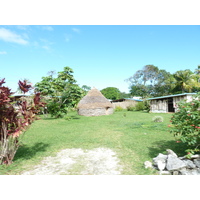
x=161 y=157
x=170 y=152
x=164 y=173
x=171 y=164
x=197 y=162
x=175 y=172
x=161 y=165
x=190 y=172
x=160 y=161
x=148 y=164
x=174 y=163
x=195 y=156
x=189 y=164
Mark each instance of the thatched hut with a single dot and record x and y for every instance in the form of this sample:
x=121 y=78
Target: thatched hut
x=94 y=104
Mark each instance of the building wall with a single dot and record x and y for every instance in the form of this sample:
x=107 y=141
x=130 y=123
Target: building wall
x=161 y=105
x=124 y=104
x=158 y=106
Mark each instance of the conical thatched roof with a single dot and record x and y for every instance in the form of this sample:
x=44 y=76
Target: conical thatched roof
x=94 y=99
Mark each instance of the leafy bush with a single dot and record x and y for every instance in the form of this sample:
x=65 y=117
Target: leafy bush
x=186 y=124
x=147 y=105
x=57 y=108
x=140 y=106
x=15 y=118
x=131 y=108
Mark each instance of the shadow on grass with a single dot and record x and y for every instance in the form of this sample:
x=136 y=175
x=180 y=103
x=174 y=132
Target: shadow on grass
x=74 y=117
x=27 y=152
x=162 y=145
x=48 y=118
x=66 y=117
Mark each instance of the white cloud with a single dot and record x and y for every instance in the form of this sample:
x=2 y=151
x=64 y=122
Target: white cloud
x=76 y=30
x=8 y=36
x=3 y=52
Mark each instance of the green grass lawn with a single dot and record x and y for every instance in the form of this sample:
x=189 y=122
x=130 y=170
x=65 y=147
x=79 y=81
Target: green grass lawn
x=132 y=135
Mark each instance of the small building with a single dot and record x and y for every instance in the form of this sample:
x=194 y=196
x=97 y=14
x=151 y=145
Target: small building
x=94 y=104
x=168 y=103
x=125 y=102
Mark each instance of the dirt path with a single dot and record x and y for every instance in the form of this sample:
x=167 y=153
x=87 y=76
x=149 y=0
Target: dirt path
x=99 y=161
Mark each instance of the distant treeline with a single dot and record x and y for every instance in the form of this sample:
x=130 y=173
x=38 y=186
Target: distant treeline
x=152 y=82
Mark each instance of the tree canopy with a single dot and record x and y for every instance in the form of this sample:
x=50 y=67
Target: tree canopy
x=112 y=93
x=62 y=90
x=151 y=81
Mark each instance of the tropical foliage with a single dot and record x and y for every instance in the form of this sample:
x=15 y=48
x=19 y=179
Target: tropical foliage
x=152 y=81
x=186 y=124
x=112 y=93
x=15 y=118
x=62 y=92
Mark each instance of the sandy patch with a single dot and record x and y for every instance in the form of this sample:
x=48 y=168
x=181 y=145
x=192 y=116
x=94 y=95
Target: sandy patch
x=99 y=161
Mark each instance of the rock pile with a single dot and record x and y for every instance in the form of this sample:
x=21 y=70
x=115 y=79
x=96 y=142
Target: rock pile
x=171 y=164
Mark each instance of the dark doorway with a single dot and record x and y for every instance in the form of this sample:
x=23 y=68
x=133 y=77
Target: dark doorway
x=170 y=105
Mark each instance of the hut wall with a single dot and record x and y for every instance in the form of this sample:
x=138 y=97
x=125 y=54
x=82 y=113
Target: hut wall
x=124 y=104
x=95 y=111
x=109 y=111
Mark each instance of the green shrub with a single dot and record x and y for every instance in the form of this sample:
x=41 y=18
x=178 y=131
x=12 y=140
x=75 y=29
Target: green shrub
x=56 y=109
x=131 y=108
x=67 y=118
x=147 y=105
x=186 y=124
x=118 y=108
x=140 y=106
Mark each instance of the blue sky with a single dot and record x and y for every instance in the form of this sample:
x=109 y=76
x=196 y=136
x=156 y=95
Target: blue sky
x=101 y=56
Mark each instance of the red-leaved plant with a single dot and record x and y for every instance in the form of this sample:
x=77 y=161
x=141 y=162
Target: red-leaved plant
x=15 y=118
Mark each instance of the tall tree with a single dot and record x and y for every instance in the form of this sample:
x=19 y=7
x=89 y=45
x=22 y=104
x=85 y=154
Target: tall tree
x=149 y=74
x=139 y=90
x=63 y=90
x=197 y=71
x=150 y=81
x=86 y=88
x=112 y=93
x=186 y=80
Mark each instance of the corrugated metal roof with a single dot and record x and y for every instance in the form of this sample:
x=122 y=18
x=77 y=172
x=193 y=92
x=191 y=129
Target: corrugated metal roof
x=174 y=95
x=133 y=99
x=126 y=99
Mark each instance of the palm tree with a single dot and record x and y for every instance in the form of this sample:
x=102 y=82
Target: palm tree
x=170 y=84
x=197 y=72
x=186 y=80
